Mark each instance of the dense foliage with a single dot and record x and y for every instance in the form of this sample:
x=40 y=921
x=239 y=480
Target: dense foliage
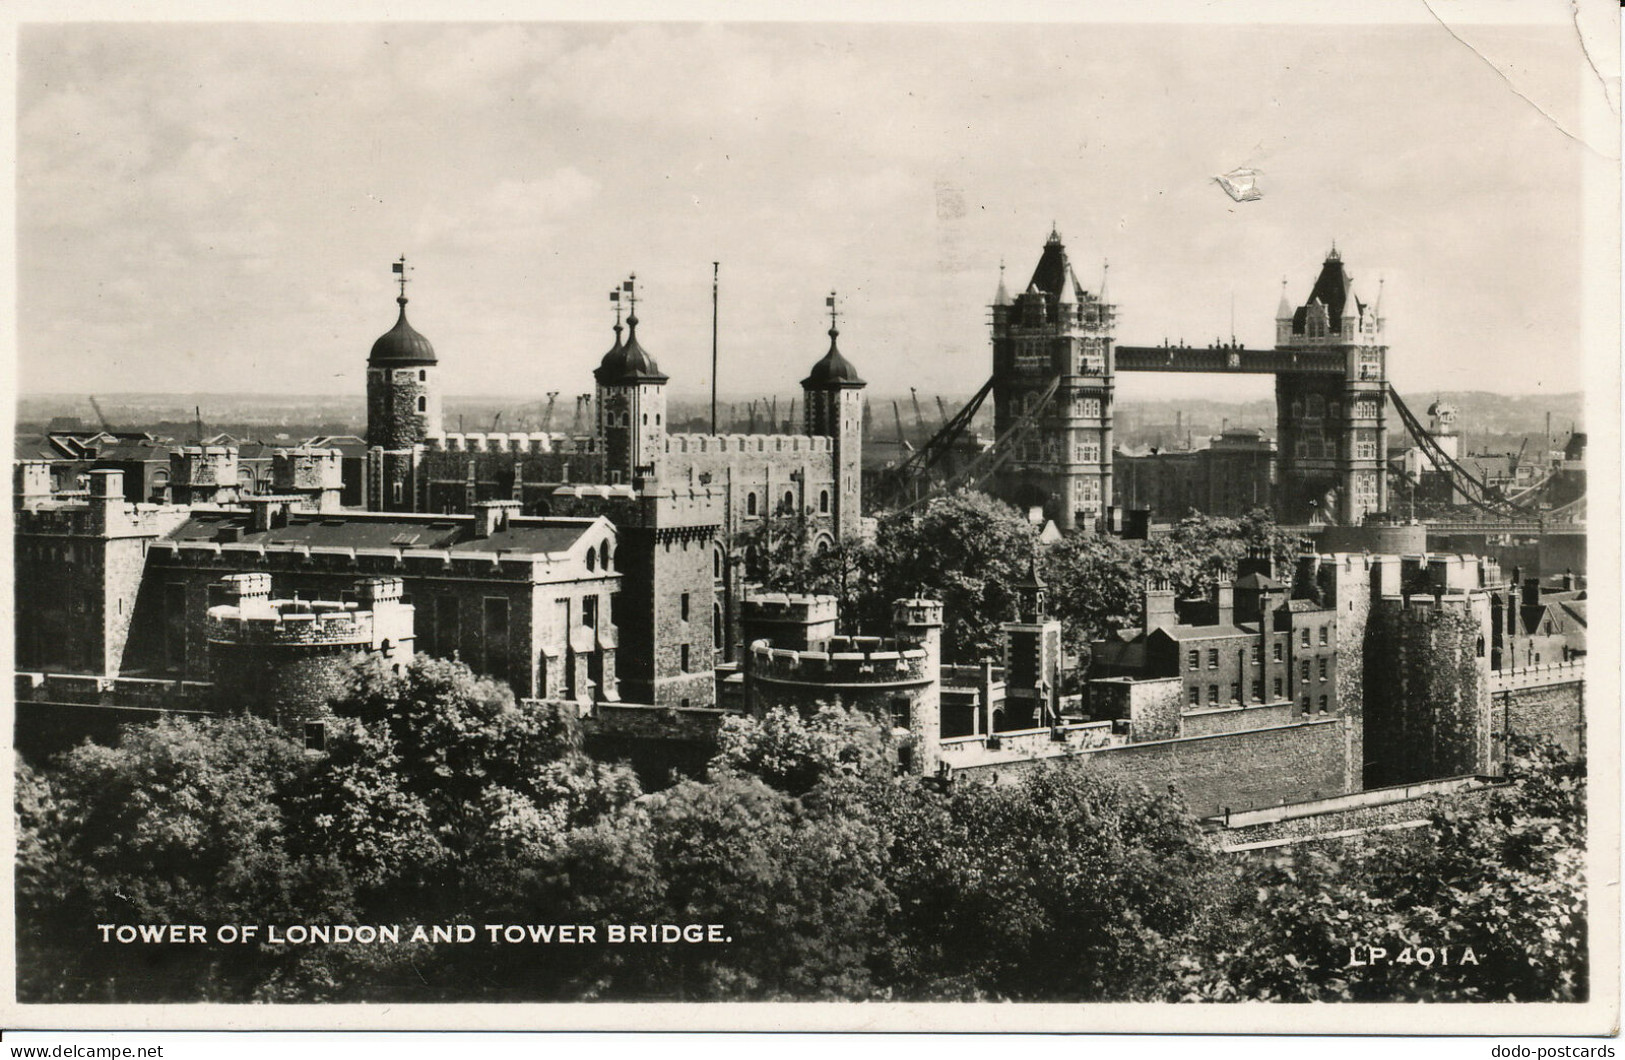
x=441 y=801
x=969 y=550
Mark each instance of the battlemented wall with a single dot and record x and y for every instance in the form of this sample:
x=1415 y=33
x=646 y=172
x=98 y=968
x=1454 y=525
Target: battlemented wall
x=1244 y=770
x=78 y=567
x=760 y=475
x=896 y=681
x=1541 y=702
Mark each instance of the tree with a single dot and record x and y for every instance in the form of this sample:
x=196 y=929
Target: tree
x=493 y=772
x=795 y=755
x=182 y=822
x=1097 y=582
x=1502 y=874
x=967 y=550
x=1066 y=886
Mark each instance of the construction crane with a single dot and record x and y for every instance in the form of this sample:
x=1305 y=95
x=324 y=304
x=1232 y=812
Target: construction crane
x=1467 y=485
x=790 y=420
x=494 y=421
x=547 y=417
x=919 y=417
x=902 y=437
x=942 y=410
x=100 y=415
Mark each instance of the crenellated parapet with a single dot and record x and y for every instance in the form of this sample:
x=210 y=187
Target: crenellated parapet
x=749 y=443
x=844 y=662
x=509 y=442
x=291 y=623
x=288 y=658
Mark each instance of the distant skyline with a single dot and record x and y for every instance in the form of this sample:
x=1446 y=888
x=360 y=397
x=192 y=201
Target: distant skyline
x=214 y=207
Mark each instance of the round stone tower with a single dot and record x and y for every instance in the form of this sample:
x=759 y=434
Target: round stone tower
x=403 y=408
x=287 y=659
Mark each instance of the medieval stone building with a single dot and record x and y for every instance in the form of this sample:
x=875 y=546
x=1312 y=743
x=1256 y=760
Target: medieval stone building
x=680 y=501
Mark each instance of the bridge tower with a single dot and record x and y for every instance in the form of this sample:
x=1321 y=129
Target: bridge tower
x=1054 y=338
x=1331 y=426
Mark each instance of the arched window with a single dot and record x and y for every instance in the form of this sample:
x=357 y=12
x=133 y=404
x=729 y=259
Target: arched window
x=750 y=504
x=789 y=501
x=592 y=559
x=603 y=555
x=716 y=626
x=823 y=501
x=716 y=564
x=423 y=404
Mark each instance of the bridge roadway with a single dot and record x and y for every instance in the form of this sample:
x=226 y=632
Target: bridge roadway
x=1236 y=360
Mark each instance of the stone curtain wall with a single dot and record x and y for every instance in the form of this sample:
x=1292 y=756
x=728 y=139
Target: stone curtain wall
x=1241 y=771
x=1553 y=711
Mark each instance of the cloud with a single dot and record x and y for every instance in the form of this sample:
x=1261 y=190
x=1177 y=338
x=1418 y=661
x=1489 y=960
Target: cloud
x=513 y=212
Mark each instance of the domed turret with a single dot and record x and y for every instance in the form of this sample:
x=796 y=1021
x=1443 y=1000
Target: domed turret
x=401 y=344
x=403 y=407
x=833 y=369
x=628 y=364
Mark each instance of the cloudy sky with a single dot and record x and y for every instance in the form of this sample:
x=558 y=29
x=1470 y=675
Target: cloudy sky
x=215 y=206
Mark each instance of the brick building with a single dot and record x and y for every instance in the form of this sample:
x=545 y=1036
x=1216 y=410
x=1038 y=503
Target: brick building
x=1232 y=475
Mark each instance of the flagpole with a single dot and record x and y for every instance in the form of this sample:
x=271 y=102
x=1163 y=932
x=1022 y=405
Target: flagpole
x=713 y=347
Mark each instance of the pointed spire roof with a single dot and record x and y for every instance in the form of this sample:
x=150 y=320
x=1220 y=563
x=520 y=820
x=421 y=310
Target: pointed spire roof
x=401 y=344
x=1068 y=294
x=1054 y=272
x=1001 y=296
x=1334 y=288
x=1284 y=310
x=1053 y=269
x=1033 y=580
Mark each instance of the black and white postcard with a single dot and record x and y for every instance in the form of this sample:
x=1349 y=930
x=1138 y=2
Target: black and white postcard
x=735 y=518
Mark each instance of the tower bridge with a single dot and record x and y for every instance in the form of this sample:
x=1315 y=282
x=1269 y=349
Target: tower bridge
x=1054 y=381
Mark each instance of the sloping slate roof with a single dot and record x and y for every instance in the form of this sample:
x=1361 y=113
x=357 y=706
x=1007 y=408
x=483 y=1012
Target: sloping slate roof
x=1207 y=632
x=33 y=447
x=426 y=532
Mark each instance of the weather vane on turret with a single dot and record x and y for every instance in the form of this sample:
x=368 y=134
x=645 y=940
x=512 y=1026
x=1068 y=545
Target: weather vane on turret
x=830 y=302
x=400 y=270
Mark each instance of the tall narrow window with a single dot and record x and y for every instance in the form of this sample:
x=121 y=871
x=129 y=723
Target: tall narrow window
x=496 y=636
x=683 y=606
